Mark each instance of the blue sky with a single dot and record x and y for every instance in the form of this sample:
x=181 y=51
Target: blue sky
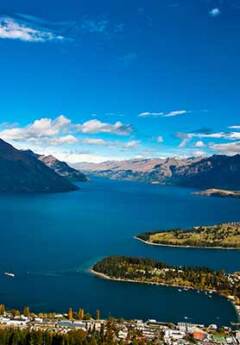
x=97 y=80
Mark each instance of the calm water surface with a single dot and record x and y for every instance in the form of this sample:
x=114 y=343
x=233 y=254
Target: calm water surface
x=50 y=241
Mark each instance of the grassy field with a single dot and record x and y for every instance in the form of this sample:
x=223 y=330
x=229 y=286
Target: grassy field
x=221 y=235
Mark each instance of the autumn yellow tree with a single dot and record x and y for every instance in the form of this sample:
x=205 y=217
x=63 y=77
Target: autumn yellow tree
x=70 y=314
x=2 y=309
x=81 y=313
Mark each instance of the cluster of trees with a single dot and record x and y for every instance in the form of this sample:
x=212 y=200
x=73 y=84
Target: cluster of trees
x=106 y=336
x=222 y=235
x=82 y=315
x=11 y=336
x=148 y=270
x=15 y=312
x=71 y=314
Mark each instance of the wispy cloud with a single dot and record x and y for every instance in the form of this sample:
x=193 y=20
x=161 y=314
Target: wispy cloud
x=94 y=26
x=172 y=113
x=176 y=113
x=234 y=127
x=103 y=26
x=131 y=144
x=13 y=29
x=184 y=137
x=214 y=12
x=148 y=114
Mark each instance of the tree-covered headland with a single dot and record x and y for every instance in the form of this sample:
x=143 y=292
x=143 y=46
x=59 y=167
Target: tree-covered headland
x=153 y=272
x=219 y=236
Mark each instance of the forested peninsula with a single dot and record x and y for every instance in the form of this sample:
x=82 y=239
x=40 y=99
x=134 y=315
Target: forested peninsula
x=225 y=235
x=142 y=270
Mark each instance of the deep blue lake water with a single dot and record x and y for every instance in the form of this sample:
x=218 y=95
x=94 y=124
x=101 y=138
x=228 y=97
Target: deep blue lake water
x=50 y=241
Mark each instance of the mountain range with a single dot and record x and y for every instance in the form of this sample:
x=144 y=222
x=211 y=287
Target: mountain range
x=25 y=172
x=217 y=171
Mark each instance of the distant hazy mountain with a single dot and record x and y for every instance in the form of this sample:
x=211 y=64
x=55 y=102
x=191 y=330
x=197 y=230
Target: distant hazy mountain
x=155 y=170
x=217 y=171
x=23 y=172
x=63 y=168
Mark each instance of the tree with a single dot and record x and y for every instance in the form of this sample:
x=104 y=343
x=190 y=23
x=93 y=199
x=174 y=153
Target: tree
x=81 y=313
x=70 y=314
x=97 y=314
x=15 y=312
x=26 y=311
x=2 y=309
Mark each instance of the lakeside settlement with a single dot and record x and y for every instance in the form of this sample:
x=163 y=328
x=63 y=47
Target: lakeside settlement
x=80 y=328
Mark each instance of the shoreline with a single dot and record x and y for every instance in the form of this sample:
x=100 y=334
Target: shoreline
x=106 y=277
x=206 y=291
x=183 y=246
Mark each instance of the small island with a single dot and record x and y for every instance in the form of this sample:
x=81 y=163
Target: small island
x=223 y=193
x=225 y=235
x=148 y=271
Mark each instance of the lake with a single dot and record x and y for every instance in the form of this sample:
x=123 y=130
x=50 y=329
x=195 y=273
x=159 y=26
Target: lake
x=50 y=241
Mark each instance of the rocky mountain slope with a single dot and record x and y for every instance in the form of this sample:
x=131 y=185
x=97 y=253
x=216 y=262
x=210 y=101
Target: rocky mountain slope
x=21 y=172
x=63 y=168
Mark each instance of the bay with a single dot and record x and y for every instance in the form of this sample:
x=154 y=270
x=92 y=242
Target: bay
x=50 y=241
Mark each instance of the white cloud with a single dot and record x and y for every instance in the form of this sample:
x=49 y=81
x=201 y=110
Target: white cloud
x=199 y=143
x=160 y=139
x=14 y=30
x=42 y=128
x=66 y=139
x=226 y=148
x=94 y=141
x=110 y=143
x=234 y=127
x=198 y=153
x=234 y=136
x=62 y=138
x=187 y=137
x=97 y=126
x=45 y=133
x=217 y=135
x=163 y=114
x=131 y=144
x=214 y=12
